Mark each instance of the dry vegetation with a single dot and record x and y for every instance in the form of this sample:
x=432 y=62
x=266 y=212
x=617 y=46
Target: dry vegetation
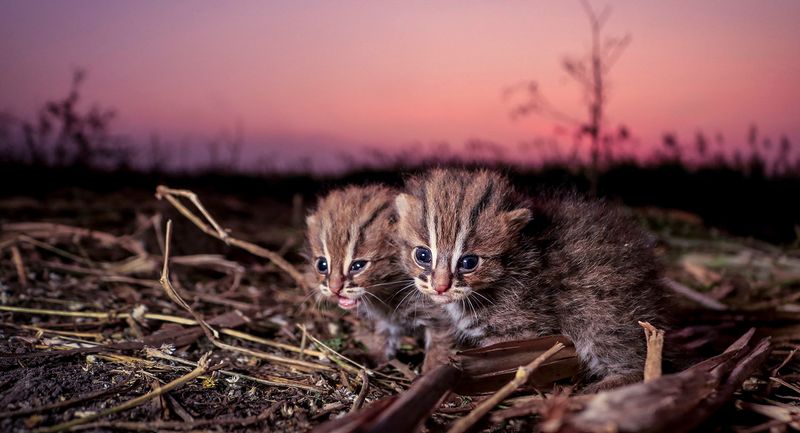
x=100 y=332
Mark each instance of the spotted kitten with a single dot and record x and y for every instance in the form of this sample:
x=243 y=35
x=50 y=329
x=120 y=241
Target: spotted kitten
x=507 y=267
x=353 y=259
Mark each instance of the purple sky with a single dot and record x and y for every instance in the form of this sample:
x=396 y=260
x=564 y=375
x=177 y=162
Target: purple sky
x=319 y=78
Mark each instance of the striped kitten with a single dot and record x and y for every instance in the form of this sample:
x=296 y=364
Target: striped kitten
x=353 y=259
x=506 y=267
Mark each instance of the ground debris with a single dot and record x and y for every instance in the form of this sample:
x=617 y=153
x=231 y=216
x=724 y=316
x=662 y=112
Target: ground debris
x=85 y=327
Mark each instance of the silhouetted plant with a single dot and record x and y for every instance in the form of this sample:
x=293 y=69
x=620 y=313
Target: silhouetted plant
x=701 y=145
x=61 y=134
x=590 y=72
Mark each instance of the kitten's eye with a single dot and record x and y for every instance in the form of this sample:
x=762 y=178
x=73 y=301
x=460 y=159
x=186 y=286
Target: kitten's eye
x=468 y=263
x=322 y=265
x=423 y=256
x=358 y=266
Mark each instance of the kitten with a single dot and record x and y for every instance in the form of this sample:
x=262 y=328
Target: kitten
x=353 y=260
x=506 y=267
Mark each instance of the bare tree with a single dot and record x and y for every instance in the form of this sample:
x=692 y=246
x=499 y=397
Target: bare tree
x=590 y=72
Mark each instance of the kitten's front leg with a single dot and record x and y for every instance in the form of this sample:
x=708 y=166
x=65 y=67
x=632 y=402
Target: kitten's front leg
x=614 y=359
x=386 y=341
x=439 y=347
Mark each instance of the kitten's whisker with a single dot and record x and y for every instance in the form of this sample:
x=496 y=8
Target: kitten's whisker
x=404 y=299
x=486 y=298
x=478 y=302
x=416 y=302
x=376 y=298
x=405 y=280
x=472 y=307
x=400 y=290
x=308 y=297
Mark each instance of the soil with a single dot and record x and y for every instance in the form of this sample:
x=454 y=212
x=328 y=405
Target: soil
x=55 y=368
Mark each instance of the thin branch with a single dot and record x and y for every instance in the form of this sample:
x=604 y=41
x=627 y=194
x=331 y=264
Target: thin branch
x=16 y=257
x=361 y=394
x=614 y=52
x=211 y=333
x=278 y=381
x=520 y=379
x=350 y=363
x=163 y=318
x=217 y=232
x=694 y=295
x=655 y=347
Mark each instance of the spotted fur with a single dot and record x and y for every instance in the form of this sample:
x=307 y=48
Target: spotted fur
x=546 y=265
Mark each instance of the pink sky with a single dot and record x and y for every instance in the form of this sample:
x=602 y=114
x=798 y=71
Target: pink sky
x=329 y=76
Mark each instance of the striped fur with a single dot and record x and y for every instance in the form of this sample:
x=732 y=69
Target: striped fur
x=547 y=265
x=356 y=224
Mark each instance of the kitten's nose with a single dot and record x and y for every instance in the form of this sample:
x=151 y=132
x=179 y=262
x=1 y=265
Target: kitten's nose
x=441 y=282
x=442 y=288
x=335 y=284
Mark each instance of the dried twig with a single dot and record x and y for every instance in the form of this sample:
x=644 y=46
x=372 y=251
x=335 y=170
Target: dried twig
x=361 y=394
x=216 y=231
x=167 y=285
x=694 y=295
x=211 y=333
x=489 y=368
x=785 y=361
x=352 y=363
x=520 y=379
x=163 y=318
x=52 y=249
x=16 y=257
x=266 y=342
x=671 y=403
x=782 y=382
x=273 y=381
x=783 y=415
x=85 y=314
x=413 y=406
x=52 y=230
x=655 y=346
x=96 y=336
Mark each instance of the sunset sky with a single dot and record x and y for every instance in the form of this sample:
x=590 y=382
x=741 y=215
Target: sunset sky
x=317 y=78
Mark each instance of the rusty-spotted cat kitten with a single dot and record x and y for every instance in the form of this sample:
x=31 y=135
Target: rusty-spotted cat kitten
x=353 y=260
x=505 y=267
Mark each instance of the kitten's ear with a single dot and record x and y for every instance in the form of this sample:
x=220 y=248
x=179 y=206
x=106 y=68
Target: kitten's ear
x=517 y=218
x=404 y=203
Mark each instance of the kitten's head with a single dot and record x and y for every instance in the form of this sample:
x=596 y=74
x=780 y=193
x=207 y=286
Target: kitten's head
x=455 y=229
x=349 y=238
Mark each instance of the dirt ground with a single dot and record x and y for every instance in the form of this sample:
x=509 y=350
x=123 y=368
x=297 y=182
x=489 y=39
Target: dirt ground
x=85 y=325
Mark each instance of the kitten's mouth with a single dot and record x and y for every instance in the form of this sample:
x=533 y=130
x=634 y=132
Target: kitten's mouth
x=441 y=299
x=347 y=303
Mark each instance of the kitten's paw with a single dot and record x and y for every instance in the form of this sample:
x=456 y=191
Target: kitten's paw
x=612 y=381
x=435 y=357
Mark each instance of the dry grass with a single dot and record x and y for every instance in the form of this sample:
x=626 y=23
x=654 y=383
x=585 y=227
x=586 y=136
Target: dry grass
x=86 y=309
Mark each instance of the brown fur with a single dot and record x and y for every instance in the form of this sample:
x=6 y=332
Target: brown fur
x=352 y=224
x=547 y=265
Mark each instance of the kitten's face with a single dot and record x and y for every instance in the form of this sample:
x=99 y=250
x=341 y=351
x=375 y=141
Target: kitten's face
x=455 y=228
x=349 y=236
